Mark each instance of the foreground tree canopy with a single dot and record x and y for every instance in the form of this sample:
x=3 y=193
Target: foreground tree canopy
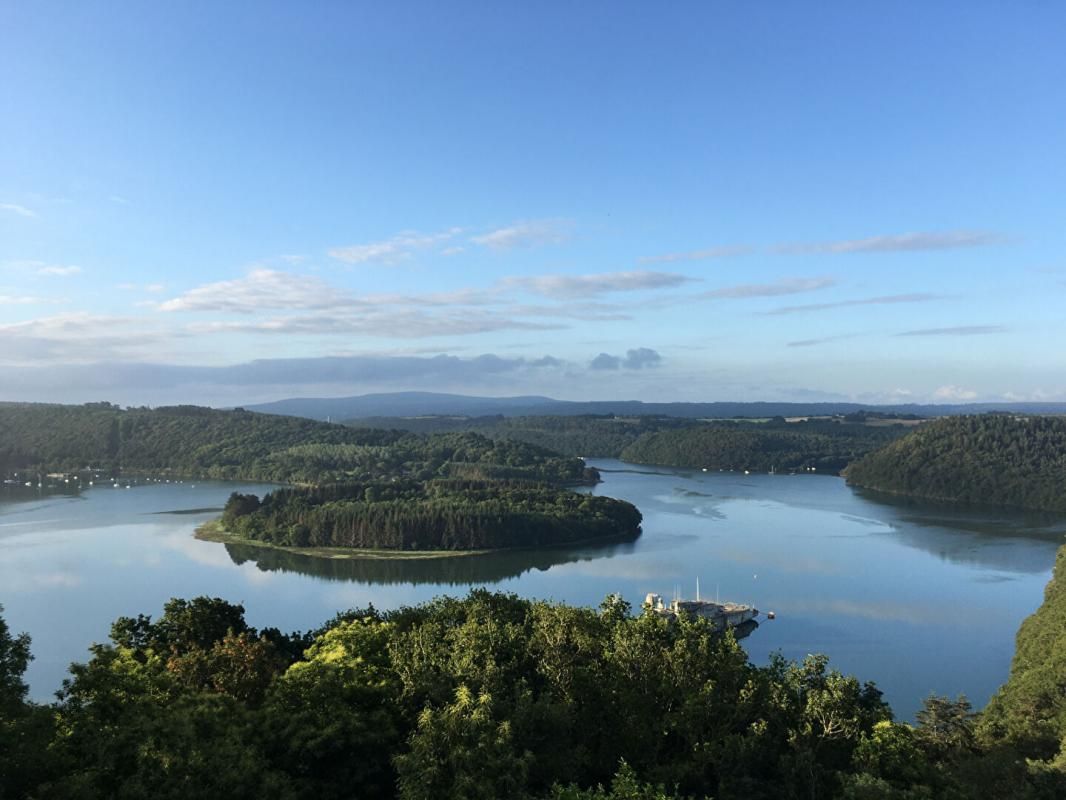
x=992 y=459
x=487 y=697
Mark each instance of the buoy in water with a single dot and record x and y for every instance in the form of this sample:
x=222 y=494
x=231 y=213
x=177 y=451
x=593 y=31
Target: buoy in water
x=771 y=615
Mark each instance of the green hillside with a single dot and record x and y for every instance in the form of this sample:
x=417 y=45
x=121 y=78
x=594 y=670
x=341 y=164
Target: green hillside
x=360 y=488
x=826 y=445
x=993 y=459
x=196 y=441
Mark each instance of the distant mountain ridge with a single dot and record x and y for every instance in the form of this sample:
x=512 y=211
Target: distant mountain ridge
x=415 y=404
x=402 y=404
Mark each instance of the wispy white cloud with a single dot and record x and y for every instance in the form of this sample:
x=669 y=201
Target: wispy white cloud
x=394 y=250
x=571 y=286
x=698 y=255
x=586 y=312
x=822 y=340
x=954 y=393
x=31 y=266
x=902 y=242
x=79 y=337
x=398 y=323
x=19 y=300
x=151 y=288
x=785 y=286
x=866 y=301
x=267 y=289
x=15 y=208
x=59 y=271
x=455 y=297
x=959 y=330
x=261 y=289
x=530 y=233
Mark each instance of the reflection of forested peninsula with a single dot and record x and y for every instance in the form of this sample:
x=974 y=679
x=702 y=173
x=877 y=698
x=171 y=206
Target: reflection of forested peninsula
x=480 y=568
x=994 y=459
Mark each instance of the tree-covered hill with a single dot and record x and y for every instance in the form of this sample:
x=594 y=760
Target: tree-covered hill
x=361 y=488
x=826 y=445
x=195 y=441
x=992 y=459
x=188 y=440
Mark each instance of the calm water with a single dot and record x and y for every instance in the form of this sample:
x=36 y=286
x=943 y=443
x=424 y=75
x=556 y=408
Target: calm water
x=918 y=598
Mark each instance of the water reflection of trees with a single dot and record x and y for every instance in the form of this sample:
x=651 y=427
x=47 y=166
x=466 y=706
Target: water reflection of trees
x=1007 y=540
x=448 y=570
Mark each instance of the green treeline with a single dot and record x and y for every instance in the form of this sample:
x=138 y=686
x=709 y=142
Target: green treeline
x=992 y=459
x=186 y=440
x=487 y=697
x=601 y=436
x=435 y=515
x=826 y=445
x=195 y=441
x=362 y=488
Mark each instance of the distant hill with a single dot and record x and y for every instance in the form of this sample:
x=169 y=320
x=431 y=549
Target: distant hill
x=402 y=404
x=991 y=459
x=415 y=404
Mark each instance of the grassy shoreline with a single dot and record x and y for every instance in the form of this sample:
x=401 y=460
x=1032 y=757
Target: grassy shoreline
x=214 y=532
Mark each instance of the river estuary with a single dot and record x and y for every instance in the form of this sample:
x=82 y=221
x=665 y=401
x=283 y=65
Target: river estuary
x=918 y=598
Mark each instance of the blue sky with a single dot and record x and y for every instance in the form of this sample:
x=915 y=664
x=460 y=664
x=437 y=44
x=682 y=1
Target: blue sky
x=231 y=202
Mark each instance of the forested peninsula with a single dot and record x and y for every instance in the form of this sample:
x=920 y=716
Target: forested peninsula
x=991 y=459
x=494 y=696
x=356 y=488
x=429 y=515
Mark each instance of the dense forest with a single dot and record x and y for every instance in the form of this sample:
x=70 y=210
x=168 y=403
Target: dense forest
x=993 y=459
x=432 y=515
x=205 y=442
x=359 y=488
x=603 y=436
x=494 y=696
x=826 y=445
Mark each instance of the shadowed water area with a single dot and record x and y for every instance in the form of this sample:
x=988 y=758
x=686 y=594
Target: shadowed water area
x=918 y=598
